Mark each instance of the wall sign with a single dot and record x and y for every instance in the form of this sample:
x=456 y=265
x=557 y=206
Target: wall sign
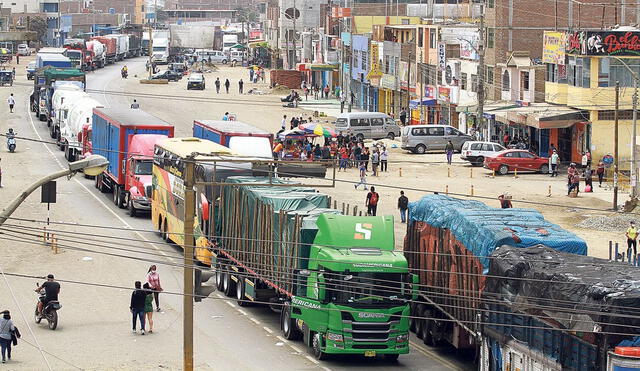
x=442 y=56
x=603 y=43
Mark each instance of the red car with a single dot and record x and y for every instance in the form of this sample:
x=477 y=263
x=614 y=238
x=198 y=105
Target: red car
x=512 y=159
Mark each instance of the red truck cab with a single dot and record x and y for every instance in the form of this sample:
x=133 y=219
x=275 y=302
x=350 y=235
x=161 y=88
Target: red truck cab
x=78 y=53
x=138 y=171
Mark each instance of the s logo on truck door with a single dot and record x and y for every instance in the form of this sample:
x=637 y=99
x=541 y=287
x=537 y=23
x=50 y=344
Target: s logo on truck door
x=363 y=231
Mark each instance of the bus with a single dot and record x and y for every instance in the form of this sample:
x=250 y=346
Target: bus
x=167 y=205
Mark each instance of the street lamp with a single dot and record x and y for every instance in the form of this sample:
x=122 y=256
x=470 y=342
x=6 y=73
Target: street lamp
x=91 y=165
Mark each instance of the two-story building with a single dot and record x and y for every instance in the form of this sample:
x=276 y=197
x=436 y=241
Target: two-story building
x=582 y=70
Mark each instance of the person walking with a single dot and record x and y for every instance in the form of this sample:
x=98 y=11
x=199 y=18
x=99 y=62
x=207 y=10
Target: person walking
x=344 y=156
x=632 y=239
x=217 y=83
x=138 y=297
x=403 y=206
x=153 y=279
x=600 y=172
x=384 y=157
x=240 y=85
x=227 y=84
x=148 y=306
x=403 y=116
x=588 y=179
x=574 y=183
x=364 y=157
x=250 y=74
x=449 y=149
x=372 y=201
x=584 y=161
x=554 y=163
x=12 y=103
x=375 y=161
x=135 y=104
x=363 y=177
x=6 y=329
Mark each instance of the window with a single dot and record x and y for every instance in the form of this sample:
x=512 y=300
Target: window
x=498 y=148
x=524 y=77
x=420 y=37
x=448 y=131
x=474 y=83
x=506 y=84
x=603 y=72
x=609 y=115
x=525 y=155
x=511 y=154
x=432 y=39
x=489 y=76
x=611 y=70
x=551 y=72
x=491 y=33
x=490 y=3
x=390 y=121
x=405 y=20
x=436 y=132
x=487 y=147
x=377 y=122
x=586 y=72
x=463 y=81
x=476 y=146
x=419 y=132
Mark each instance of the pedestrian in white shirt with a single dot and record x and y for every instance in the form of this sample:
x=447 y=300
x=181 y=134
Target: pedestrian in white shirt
x=384 y=156
x=283 y=123
x=12 y=102
x=554 y=163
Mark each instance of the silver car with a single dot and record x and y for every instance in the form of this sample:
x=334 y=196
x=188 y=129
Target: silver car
x=367 y=125
x=422 y=138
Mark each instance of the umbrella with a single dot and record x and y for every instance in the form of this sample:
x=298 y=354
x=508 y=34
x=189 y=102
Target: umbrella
x=318 y=129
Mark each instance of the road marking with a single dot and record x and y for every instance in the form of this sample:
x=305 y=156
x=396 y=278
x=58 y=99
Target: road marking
x=230 y=304
x=254 y=320
x=219 y=295
x=295 y=348
x=241 y=311
x=282 y=339
x=433 y=355
x=268 y=329
x=312 y=360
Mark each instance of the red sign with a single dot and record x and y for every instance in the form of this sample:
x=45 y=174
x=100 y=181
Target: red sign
x=619 y=43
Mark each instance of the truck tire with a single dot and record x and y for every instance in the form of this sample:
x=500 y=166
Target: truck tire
x=219 y=277
x=229 y=284
x=132 y=210
x=242 y=300
x=412 y=319
x=419 y=320
x=288 y=325
x=316 y=345
x=118 y=196
x=100 y=184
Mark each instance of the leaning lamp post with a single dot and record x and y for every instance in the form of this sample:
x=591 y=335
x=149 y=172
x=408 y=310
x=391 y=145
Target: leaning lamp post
x=91 y=165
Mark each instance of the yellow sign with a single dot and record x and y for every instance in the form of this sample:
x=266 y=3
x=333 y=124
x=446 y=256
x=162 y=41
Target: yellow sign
x=553 y=47
x=374 y=71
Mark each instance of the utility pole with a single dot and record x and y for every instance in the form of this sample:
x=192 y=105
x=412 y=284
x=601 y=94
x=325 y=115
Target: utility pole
x=615 y=149
x=295 y=51
x=421 y=79
x=150 y=50
x=351 y=60
x=634 y=168
x=342 y=59
x=188 y=245
x=409 y=86
x=480 y=113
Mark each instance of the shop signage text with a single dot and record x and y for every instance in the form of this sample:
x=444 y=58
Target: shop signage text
x=603 y=43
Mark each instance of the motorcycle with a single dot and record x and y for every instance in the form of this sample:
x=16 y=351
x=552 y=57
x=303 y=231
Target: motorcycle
x=124 y=74
x=49 y=312
x=11 y=142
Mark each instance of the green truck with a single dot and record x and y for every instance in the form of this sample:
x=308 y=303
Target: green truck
x=336 y=280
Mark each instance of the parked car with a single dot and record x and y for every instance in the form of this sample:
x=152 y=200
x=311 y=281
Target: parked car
x=236 y=56
x=23 y=49
x=195 y=81
x=476 y=152
x=180 y=68
x=422 y=138
x=166 y=75
x=215 y=56
x=511 y=159
x=367 y=125
x=31 y=70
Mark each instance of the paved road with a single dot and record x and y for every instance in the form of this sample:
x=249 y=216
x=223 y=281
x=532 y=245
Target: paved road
x=95 y=323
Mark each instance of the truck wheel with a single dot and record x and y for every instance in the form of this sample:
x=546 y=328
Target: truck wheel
x=165 y=231
x=242 y=300
x=219 y=277
x=419 y=320
x=412 y=319
x=288 y=325
x=316 y=343
x=132 y=209
x=229 y=283
x=99 y=184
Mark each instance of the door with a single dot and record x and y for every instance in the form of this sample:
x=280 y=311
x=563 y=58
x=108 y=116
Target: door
x=435 y=137
x=527 y=161
x=453 y=135
x=512 y=160
x=487 y=150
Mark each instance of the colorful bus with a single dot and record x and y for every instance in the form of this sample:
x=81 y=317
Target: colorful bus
x=167 y=206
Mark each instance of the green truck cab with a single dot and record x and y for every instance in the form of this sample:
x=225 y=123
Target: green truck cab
x=353 y=297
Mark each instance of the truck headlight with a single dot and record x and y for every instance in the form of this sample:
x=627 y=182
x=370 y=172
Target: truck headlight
x=402 y=338
x=334 y=337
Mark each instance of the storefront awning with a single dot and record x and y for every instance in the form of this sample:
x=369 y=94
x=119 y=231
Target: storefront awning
x=425 y=102
x=544 y=116
x=322 y=67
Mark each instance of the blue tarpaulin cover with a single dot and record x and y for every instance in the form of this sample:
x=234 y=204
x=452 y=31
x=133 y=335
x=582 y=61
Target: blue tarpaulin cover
x=482 y=228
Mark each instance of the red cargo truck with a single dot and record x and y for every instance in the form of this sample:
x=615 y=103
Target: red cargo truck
x=126 y=137
x=110 y=48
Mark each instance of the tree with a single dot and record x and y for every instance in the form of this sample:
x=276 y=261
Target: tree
x=162 y=15
x=246 y=15
x=39 y=26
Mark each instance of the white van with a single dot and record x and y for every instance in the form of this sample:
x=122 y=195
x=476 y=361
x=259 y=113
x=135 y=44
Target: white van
x=422 y=138
x=215 y=56
x=367 y=125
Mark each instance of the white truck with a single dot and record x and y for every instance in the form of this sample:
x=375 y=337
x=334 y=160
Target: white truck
x=122 y=45
x=62 y=99
x=160 y=51
x=80 y=114
x=228 y=41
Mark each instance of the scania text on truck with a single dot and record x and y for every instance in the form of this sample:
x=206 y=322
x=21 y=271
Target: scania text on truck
x=126 y=137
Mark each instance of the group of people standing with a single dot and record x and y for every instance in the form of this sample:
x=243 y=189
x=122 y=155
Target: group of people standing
x=142 y=300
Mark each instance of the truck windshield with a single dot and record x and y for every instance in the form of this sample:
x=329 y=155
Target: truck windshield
x=143 y=167
x=159 y=48
x=365 y=289
x=74 y=54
